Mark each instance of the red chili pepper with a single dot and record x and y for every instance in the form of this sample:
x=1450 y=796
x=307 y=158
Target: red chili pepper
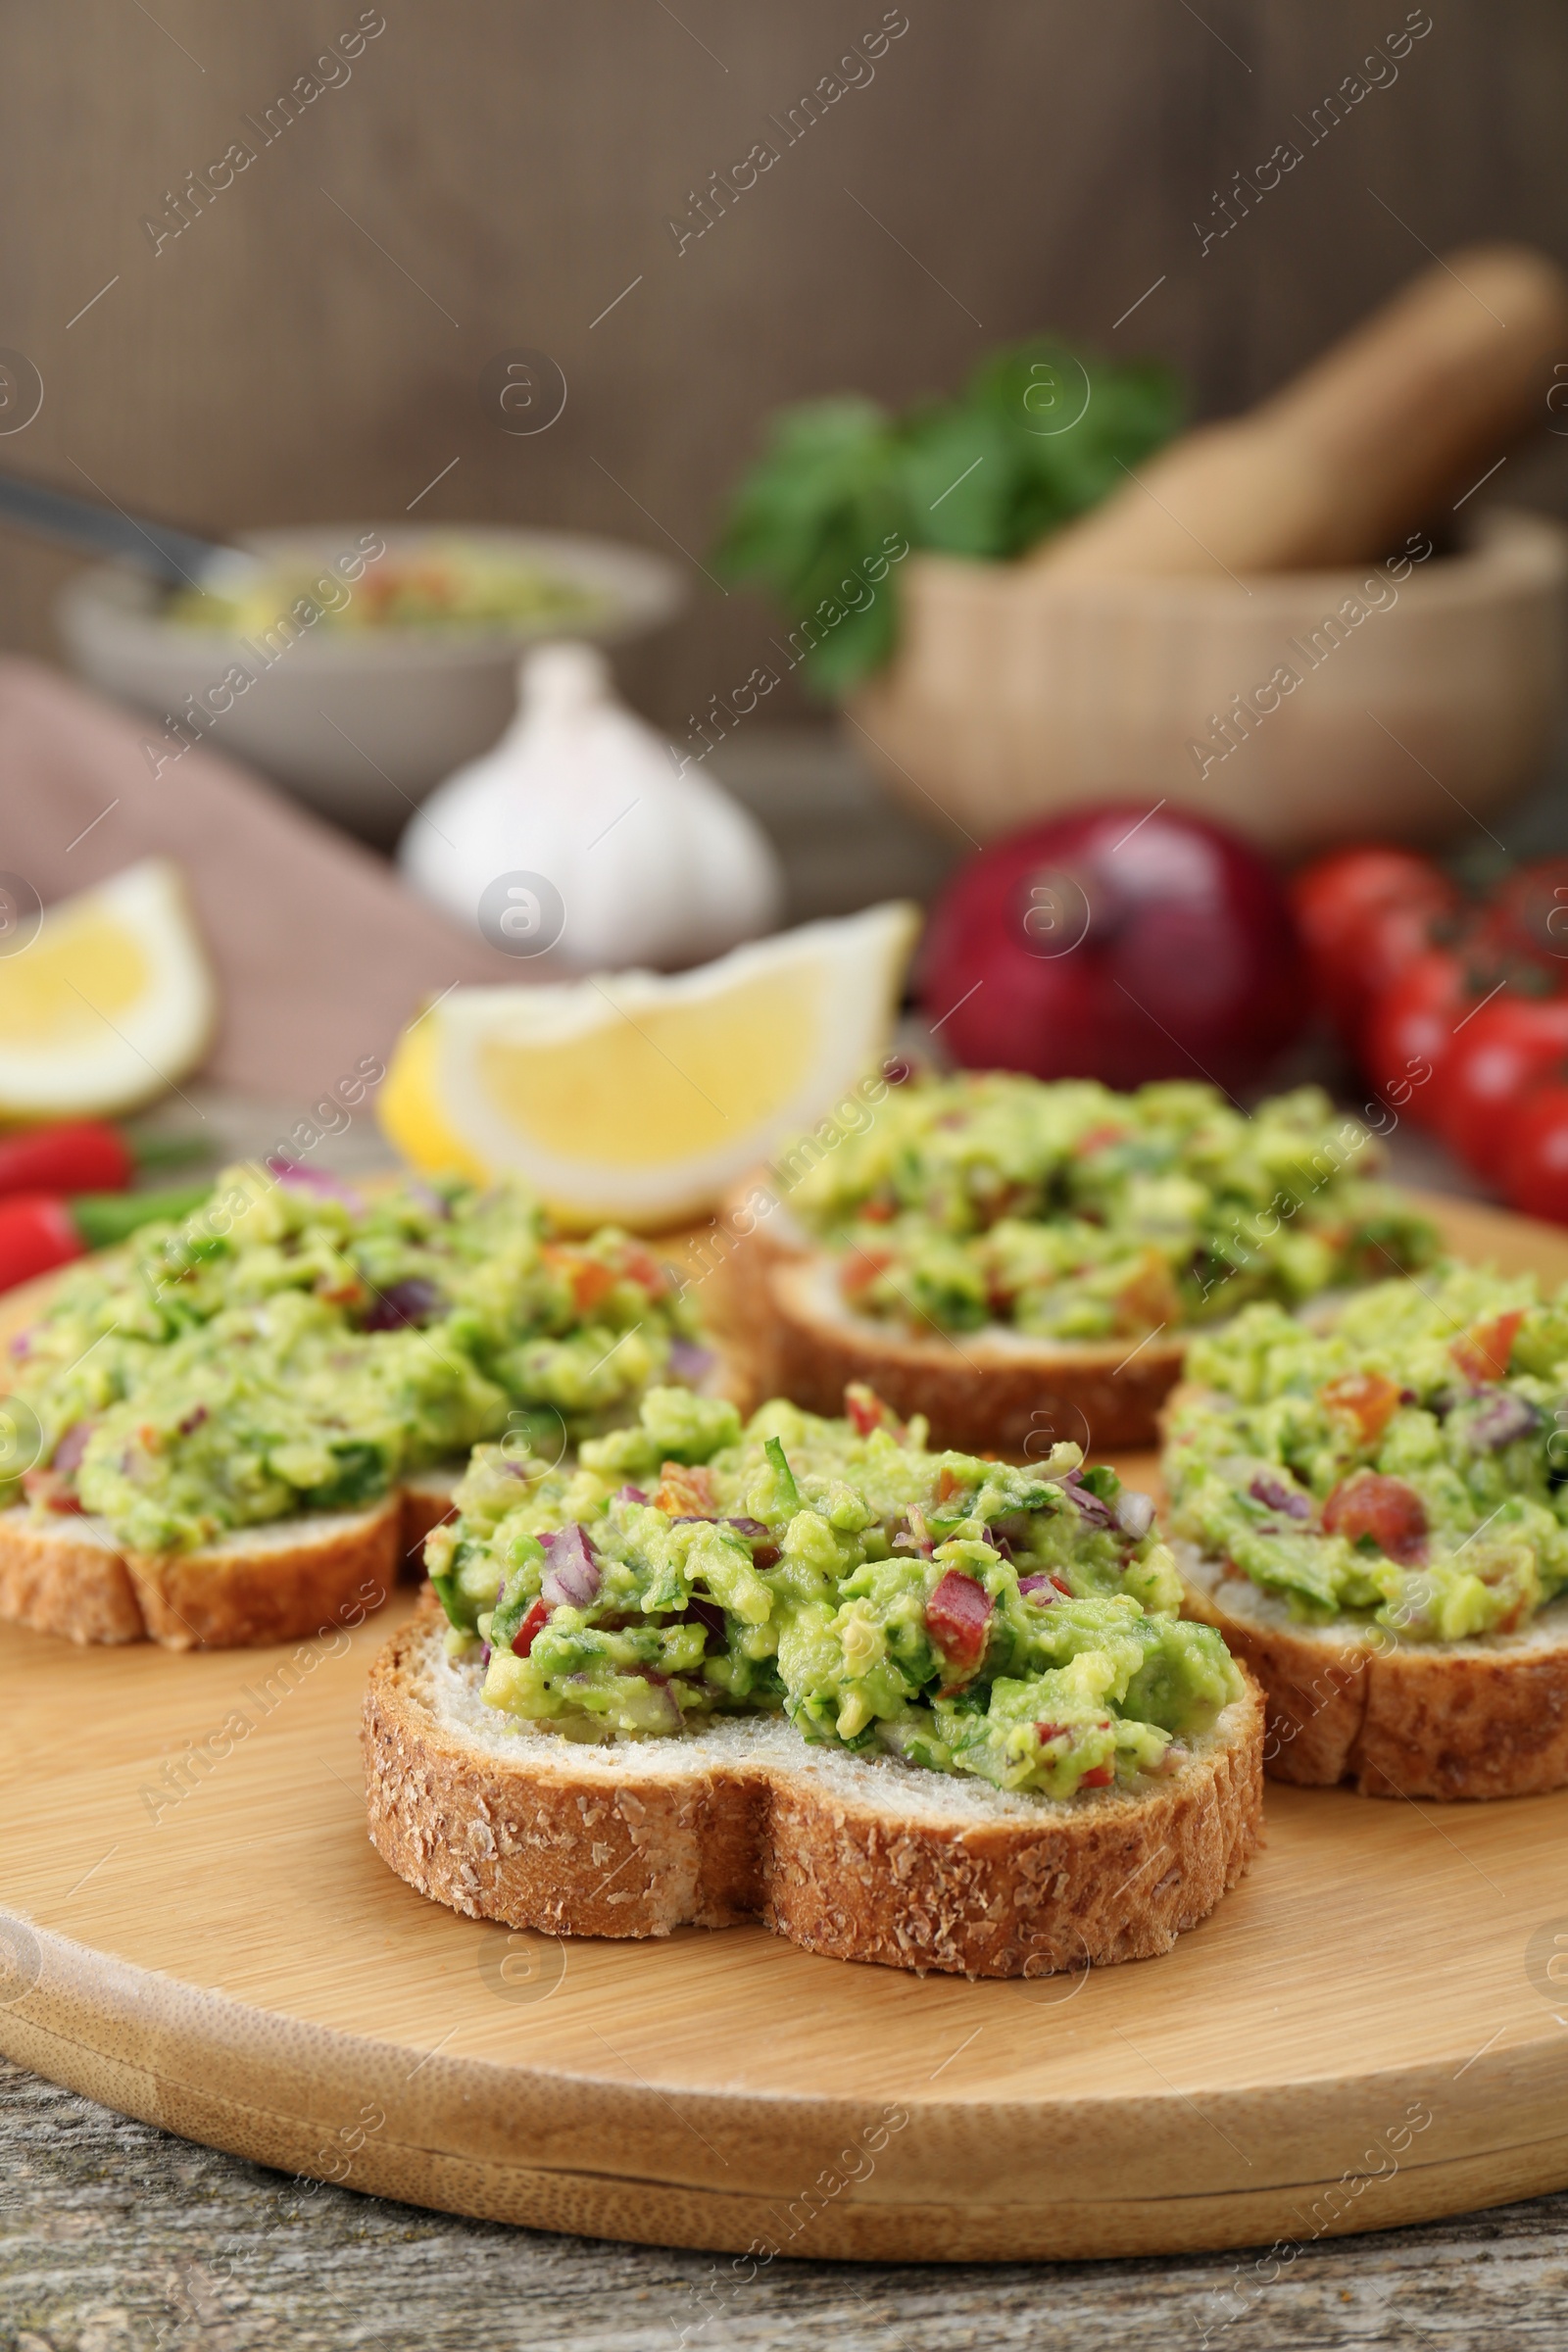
x=522 y=1641
x=83 y=1156
x=39 y=1230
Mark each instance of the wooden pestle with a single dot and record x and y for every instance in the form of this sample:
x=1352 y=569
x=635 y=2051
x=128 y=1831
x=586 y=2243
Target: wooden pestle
x=1388 y=428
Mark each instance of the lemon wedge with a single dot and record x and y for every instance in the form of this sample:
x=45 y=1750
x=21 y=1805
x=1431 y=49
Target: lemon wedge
x=638 y=1098
x=105 y=1001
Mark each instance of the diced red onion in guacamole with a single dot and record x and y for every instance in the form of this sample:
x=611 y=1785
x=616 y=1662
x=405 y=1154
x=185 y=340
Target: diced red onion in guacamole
x=628 y=1494
x=573 y=1573
x=1499 y=1419
x=301 y=1179
x=1096 y=1512
x=72 y=1445
x=689 y=1362
x=411 y=1303
x=1276 y=1496
x=1135 y=1513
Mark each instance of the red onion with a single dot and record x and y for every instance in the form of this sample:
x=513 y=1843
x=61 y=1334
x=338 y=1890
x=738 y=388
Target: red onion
x=573 y=1575
x=1135 y=1513
x=412 y=1301
x=751 y=1528
x=73 y=1445
x=1120 y=942
x=193 y=1421
x=1044 y=1589
x=301 y=1179
x=1096 y=1512
x=689 y=1362
x=1499 y=1420
x=628 y=1494
x=1276 y=1496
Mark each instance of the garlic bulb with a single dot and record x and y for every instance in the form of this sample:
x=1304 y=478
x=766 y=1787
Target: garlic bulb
x=576 y=843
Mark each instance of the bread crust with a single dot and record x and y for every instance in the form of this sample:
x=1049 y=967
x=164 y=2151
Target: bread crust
x=847 y=1857
x=428 y=1501
x=1487 y=1717
x=281 y=1582
x=65 y=1576
x=245 y=1593
x=984 y=1391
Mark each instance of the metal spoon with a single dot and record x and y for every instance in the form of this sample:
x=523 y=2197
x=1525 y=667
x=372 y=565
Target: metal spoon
x=175 y=556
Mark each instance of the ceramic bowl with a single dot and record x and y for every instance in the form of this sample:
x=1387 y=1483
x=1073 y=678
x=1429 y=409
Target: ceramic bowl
x=361 y=725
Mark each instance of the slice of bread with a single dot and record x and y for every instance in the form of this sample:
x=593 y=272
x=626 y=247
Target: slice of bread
x=1484 y=1717
x=63 y=1573
x=857 y=1857
x=278 y=1583
x=283 y=1582
x=428 y=1500
x=994 y=1389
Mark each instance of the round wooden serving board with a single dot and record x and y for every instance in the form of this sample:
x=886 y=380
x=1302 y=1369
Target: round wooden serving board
x=1365 y=2033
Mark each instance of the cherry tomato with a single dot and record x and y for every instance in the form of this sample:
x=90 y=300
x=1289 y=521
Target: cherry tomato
x=1365 y=1397
x=1526 y=920
x=1410 y=1030
x=1390 y=1512
x=957 y=1618
x=1535 y=1163
x=1497 y=1055
x=1482 y=1352
x=1364 y=915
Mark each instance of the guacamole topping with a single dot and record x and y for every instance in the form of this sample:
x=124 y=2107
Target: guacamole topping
x=1403 y=1461
x=291 y=1348
x=1068 y=1211
x=449 y=586
x=965 y=1615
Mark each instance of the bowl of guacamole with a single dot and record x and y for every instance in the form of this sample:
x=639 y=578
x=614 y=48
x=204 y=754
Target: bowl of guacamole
x=970 y=1617
x=292 y=1348
x=1065 y=1211
x=357 y=664
x=1401 y=1461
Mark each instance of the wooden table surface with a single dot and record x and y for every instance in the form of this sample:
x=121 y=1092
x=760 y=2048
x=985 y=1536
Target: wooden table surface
x=114 y=2237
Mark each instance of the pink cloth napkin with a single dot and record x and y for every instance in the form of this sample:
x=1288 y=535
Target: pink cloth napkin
x=322 y=954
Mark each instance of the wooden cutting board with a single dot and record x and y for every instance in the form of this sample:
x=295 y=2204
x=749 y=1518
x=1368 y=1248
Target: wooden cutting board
x=1366 y=2033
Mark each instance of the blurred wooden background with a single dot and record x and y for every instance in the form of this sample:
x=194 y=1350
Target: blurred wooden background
x=505 y=169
